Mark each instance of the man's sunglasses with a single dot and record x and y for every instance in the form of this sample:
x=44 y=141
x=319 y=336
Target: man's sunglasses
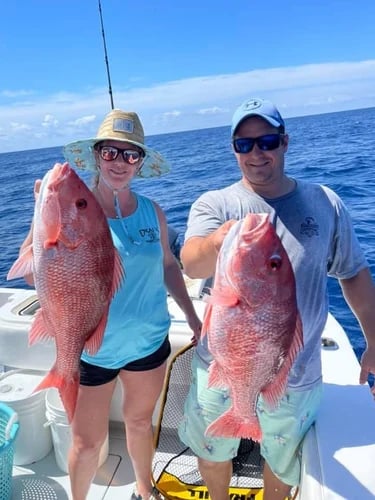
x=110 y=153
x=267 y=142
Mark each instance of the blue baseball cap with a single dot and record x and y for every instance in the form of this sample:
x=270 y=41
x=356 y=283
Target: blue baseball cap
x=257 y=107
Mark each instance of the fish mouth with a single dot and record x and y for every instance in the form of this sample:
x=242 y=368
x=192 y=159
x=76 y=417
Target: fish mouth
x=253 y=224
x=57 y=175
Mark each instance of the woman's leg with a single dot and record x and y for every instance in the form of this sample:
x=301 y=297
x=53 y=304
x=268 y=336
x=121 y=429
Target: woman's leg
x=141 y=392
x=89 y=431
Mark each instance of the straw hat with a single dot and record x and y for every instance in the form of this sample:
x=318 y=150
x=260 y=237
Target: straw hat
x=124 y=126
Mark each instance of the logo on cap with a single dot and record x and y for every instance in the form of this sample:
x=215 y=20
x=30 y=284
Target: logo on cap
x=253 y=104
x=123 y=125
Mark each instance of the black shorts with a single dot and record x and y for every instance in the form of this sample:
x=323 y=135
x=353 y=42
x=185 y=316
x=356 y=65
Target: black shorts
x=96 y=375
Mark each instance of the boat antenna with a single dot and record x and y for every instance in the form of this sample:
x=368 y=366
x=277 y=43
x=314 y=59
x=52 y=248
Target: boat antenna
x=106 y=56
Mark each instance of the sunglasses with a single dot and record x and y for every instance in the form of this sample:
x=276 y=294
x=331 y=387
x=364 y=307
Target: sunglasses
x=267 y=142
x=110 y=153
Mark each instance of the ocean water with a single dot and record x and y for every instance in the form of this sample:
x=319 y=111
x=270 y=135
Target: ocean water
x=335 y=149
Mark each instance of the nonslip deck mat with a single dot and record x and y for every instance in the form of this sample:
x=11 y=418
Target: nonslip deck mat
x=175 y=467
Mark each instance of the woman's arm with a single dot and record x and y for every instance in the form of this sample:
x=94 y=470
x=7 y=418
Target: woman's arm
x=174 y=280
x=28 y=241
x=25 y=246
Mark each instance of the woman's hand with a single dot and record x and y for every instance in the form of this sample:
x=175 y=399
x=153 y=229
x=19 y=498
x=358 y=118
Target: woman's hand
x=195 y=324
x=37 y=185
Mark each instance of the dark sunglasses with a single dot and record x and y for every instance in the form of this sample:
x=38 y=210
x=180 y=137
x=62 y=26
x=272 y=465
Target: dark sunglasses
x=110 y=153
x=267 y=142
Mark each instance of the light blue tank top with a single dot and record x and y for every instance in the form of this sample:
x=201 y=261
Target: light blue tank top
x=138 y=319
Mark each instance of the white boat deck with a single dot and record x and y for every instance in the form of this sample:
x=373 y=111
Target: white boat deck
x=338 y=454
x=44 y=480
x=339 y=451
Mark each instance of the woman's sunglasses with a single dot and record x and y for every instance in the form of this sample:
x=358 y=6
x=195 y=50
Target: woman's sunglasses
x=110 y=153
x=267 y=142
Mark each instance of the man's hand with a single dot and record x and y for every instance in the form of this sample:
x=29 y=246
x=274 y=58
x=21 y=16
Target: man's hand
x=220 y=233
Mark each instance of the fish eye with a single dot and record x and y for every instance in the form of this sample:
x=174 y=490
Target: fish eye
x=275 y=262
x=81 y=203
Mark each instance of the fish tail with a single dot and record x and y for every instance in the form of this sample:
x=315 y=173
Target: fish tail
x=68 y=389
x=231 y=425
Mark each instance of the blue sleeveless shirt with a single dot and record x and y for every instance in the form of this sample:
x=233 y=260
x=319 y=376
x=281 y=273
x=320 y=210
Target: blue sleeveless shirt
x=138 y=319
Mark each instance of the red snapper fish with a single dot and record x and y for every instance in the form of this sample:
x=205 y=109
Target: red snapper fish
x=77 y=271
x=253 y=326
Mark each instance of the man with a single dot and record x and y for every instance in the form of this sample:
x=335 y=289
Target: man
x=316 y=231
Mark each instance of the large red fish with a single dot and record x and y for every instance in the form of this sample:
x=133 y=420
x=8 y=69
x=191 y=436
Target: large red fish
x=252 y=322
x=76 y=269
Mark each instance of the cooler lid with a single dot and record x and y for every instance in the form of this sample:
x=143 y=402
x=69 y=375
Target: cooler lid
x=17 y=386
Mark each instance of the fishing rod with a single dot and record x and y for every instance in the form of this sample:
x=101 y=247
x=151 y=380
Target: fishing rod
x=172 y=233
x=106 y=56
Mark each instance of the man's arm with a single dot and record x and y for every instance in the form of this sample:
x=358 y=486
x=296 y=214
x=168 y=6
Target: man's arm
x=359 y=293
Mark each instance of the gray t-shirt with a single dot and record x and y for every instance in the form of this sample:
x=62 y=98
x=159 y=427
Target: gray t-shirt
x=316 y=231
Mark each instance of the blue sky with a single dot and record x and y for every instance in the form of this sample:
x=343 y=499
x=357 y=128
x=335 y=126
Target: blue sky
x=181 y=65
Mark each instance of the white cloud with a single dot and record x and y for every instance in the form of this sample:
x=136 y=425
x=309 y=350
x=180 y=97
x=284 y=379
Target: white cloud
x=198 y=102
x=17 y=127
x=172 y=114
x=50 y=121
x=11 y=94
x=82 y=122
x=215 y=110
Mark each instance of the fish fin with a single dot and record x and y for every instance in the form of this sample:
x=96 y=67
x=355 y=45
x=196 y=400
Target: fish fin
x=232 y=426
x=38 y=329
x=23 y=265
x=274 y=391
x=227 y=297
x=217 y=298
x=118 y=273
x=216 y=377
x=297 y=343
x=206 y=319
x=68 y=389
x=93 y=343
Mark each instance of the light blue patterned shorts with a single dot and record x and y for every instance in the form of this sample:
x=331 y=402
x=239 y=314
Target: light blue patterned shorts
x=283 y=428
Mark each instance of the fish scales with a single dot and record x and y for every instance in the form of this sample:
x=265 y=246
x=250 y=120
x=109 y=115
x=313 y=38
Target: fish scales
x=252 y=322
x=76 y=270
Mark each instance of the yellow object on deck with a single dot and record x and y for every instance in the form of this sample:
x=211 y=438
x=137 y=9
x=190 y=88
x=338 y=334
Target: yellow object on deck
x=172 y=488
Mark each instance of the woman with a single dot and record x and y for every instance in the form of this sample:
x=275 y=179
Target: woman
x=135 y=345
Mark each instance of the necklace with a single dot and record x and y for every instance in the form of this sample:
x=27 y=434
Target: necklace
x=117 y=208
x=119 y=216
